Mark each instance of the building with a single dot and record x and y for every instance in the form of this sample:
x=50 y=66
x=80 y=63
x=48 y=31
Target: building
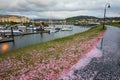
x=115 y=21
x=14 y=18
x=47 y=21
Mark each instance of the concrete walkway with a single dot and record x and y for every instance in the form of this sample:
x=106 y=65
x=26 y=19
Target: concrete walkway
x=102 y=63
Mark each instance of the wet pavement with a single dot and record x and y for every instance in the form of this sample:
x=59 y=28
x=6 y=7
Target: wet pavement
x=102 y=63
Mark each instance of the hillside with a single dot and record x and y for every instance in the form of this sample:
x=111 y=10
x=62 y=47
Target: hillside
x=80 y=18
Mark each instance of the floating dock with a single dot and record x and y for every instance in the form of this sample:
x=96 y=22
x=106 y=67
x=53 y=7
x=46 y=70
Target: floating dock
x=6 y=40
x=29 y=33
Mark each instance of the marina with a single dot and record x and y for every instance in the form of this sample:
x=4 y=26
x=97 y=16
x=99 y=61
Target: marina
x=35 y=37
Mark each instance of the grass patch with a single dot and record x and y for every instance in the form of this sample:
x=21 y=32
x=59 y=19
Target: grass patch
x=52 y=44
x=115 y=24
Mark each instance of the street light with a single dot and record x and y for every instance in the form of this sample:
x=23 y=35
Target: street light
x=106 y=6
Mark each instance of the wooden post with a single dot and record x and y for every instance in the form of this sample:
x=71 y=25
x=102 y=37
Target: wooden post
x=12 y=34
x=32 y=28
x=41 y=26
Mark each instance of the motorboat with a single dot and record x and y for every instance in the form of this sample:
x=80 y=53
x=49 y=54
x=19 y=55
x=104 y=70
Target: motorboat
x=22 y=28
x=51 y=29
x=8 y=32
x=33 y=28
x=1 y=38
x=2 y=27
x=66 y=28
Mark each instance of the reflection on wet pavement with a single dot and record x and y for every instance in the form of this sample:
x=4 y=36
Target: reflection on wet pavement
x=102 y=63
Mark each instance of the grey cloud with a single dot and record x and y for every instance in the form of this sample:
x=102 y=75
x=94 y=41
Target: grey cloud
x=3 y=4
x=57 y=5
x=63 y=8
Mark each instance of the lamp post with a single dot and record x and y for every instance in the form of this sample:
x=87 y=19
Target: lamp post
x=106 y=6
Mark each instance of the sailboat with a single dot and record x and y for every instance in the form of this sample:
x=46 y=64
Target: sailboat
x=51 y=27
x=67 y=28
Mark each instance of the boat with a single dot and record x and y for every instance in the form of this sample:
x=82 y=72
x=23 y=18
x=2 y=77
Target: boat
x=51 y=29
x=1 y=38
x=8 y=32
x=22 y=28
x=33 y=28
x=66 y=28
x=1 y=27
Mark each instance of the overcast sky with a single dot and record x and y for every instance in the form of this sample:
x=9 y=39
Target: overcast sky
x=59 y=8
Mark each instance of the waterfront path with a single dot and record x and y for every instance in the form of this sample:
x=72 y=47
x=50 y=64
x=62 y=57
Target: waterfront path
x=102 y=63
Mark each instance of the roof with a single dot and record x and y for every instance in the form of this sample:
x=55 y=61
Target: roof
x=7 y=16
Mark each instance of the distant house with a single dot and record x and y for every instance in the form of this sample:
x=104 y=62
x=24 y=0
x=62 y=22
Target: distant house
x=47 y=21
x=13 y=18
x=115 y=21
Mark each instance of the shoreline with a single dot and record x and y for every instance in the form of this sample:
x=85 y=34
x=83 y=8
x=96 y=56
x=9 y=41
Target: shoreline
x=48 y=60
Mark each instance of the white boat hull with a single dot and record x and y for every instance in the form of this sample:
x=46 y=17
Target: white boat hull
x=67 y=29
x=8 y=32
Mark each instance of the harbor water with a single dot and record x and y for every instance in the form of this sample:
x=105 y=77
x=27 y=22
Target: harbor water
x=27 y=40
